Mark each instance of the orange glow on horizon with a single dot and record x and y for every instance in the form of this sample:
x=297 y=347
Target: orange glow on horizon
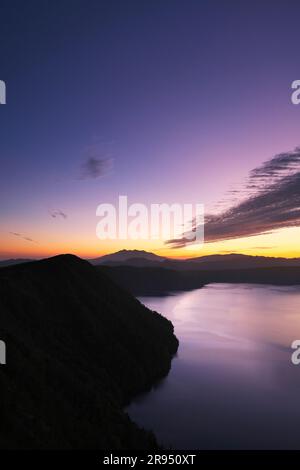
x=282 y=243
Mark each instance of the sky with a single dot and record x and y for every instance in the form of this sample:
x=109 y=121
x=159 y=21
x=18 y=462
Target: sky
x=163 y=101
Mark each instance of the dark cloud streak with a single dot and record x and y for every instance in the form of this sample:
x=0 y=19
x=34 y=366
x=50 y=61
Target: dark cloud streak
x=270 y=200
x=94 y=168
x=58 y=213
x=20 y=235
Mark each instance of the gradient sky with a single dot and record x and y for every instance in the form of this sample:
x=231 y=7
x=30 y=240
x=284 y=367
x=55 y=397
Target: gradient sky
x=182 y=99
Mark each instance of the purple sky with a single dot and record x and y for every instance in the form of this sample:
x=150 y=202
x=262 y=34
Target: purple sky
x=177 y=100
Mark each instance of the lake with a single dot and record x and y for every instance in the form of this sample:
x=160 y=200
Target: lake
x=232 y=384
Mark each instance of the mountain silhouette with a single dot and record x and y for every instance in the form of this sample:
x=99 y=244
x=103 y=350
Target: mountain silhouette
x=140 y=258
x=11 y=261
x=78 y=349
x=128 y=257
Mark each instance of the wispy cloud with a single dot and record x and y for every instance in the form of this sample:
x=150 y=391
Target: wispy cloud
x=57 y=213
x=24 y=237
x=269 y=200
x=94 y=168
x=98 y=162
x=262 y=247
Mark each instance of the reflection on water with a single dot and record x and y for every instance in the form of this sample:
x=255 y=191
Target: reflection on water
x=232 y=384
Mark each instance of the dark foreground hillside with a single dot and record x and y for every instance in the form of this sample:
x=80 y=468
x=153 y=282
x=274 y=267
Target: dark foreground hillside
x=78 y=349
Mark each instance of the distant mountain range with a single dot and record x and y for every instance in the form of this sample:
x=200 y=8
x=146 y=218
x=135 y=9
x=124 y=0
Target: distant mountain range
x=139 y=258
x=10 y=262
x=144 y=273
x=78 y=349
x=142 y=259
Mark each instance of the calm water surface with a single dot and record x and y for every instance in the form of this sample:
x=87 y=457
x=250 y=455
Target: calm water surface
x=232 y=384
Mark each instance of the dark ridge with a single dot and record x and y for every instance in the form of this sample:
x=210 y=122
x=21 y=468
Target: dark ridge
x=152 y=281
x=78 y=349
x=160 y=281
x=9 y=262
x=285 y=275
